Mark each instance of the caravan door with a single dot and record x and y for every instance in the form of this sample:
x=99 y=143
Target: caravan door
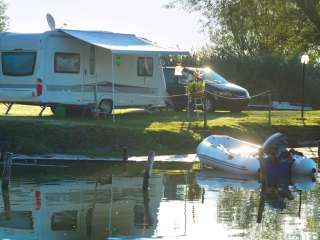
x=90 y=88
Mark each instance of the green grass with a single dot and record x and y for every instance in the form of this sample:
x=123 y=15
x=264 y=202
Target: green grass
x=164 y=132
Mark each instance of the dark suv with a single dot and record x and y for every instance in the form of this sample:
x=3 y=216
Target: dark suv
x=220 y=94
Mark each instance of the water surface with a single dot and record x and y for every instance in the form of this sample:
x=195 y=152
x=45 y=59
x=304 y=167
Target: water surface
x=110 y=204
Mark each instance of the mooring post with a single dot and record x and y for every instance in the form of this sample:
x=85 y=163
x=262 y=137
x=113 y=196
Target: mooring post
x=147 y=216
x=6 y=203
x=6 y=173
x=299 y=213
x=148 y=171
x=202 y=195
x=261 y=204
x=264 y=185
x=270 y=107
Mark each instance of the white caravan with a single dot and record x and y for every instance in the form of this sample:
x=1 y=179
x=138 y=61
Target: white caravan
x=81 y=69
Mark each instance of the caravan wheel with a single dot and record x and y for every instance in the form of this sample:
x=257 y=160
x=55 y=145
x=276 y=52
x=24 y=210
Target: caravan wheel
x=106 y=106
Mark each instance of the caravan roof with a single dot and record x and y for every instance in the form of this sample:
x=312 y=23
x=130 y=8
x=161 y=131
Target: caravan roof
x=8 y=40
x=117 y=43
x=121 y=43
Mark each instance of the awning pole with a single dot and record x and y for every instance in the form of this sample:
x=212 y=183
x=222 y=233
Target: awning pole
x=162 y=80
x=113 y=79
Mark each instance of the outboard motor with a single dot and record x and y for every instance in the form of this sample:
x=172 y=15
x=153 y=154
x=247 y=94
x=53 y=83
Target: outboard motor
x=275 y=145
x=277 y=160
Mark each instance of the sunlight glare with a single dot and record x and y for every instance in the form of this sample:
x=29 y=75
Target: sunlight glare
x=207 y=69
x=244 y=151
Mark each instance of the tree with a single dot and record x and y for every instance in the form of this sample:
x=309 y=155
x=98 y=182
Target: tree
x=255 y=27
x=3 y=17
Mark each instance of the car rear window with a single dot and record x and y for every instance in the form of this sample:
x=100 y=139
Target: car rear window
x=18 y=63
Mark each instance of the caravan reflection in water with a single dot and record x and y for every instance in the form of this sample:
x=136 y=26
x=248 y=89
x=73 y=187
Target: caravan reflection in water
x=188 y=206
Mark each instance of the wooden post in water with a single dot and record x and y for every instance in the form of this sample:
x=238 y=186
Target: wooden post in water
x=261 y=204
x=299 y=213
x=6 y=173
x=6 y=203
x=264 y=185
x=147 y=216
x=148 y=171
x=202 y=195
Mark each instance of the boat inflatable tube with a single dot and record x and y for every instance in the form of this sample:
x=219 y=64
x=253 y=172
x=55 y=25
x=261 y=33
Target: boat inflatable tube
x=240 y=157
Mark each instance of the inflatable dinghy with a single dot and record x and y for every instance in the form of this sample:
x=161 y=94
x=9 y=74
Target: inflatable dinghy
x=240 y=157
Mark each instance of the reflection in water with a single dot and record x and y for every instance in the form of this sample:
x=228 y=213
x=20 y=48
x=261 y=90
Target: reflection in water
x=241 y=204
x=275 y=191
x=196 y=206
x=6 y=203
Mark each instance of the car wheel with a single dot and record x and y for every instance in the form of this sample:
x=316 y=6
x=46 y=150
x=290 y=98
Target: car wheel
x=106 y=106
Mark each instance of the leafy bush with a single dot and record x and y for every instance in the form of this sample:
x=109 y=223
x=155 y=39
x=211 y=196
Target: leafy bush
x=195 y=88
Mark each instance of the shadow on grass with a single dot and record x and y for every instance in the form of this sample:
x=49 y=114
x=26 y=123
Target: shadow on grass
x=171 y=116
x=131 y=118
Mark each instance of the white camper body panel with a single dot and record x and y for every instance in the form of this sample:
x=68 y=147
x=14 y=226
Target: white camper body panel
x=20 y=88
x=64 y=88
x=86 y=86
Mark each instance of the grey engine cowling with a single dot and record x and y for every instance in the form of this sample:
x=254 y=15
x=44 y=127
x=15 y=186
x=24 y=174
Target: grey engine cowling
x=275 y=145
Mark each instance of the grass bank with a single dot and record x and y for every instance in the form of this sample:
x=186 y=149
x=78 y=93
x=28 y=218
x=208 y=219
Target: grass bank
x=163 y=132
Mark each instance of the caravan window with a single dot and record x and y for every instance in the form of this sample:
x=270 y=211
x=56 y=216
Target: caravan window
x=67 y=62
x=145 y=66
x=18 y=63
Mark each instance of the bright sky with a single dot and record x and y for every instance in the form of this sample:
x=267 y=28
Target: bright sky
x=144 y=18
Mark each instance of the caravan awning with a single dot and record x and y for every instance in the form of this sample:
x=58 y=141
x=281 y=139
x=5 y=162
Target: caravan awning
x=117 y=43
